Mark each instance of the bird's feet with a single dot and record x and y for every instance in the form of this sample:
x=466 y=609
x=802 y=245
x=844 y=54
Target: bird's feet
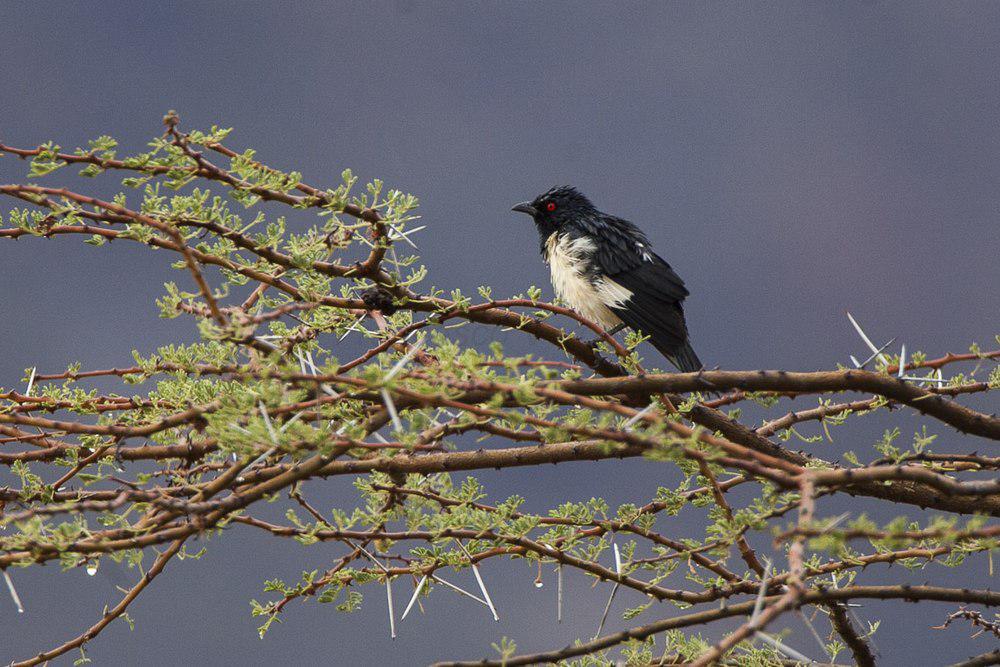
x=601 y=362
x=595 y=345
x=594 y=342
x=709 y=389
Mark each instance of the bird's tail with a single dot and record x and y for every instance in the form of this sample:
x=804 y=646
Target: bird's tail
x=685 y=359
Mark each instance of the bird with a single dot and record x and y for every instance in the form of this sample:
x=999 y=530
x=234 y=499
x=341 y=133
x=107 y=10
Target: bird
x=605 y=268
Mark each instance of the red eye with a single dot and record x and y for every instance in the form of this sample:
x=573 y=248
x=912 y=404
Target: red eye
x=551 y=206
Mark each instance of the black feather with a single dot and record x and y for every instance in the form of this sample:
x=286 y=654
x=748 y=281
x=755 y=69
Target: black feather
x=685 y=359
x=655 y=308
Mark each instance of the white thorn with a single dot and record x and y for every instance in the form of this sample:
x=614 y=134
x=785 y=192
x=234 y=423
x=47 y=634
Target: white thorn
x=404 y=360
x=639 y=415
x=865 y=338
x=479 y=580
x=391 y=407
x=462 y=591
x=788 y=651
x=413 y=598
x=370 y=557
x=290 y=421
x=559 y=586
x=262 y=457
x=401 y=235
x=267 y=422
x=13 y=592
x=260 y=339
x=812 y=630
x=759 y=604
x=312 y=370
x=271 y=432
x=343 y=427
x=836 y=522
x=614 y=589
x=880 y=350
x=392 y=615
x=353 y=327
x=607 y=608
x=312 y=364
x=902 y=361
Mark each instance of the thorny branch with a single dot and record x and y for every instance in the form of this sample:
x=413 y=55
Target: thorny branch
x=262 y=406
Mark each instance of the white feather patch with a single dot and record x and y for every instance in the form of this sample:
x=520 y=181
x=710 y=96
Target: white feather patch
x=568 y=261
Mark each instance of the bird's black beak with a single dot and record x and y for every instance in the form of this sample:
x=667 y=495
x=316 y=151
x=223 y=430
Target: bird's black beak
x=525 y=207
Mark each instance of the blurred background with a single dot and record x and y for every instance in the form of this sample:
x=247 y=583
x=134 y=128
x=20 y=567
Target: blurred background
x=792 y=161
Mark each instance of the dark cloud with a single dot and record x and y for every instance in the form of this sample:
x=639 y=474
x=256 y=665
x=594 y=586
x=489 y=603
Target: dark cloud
x=791 y=160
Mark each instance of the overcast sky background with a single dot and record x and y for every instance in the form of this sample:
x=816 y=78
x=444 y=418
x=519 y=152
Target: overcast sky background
x=791 y=160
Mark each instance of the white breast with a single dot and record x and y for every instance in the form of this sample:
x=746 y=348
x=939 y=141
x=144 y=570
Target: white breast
x=568 y=261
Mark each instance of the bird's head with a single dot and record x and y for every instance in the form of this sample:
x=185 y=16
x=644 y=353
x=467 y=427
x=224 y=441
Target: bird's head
x=550 y=210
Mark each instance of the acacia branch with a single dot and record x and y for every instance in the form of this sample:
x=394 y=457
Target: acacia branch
x=111 y=614
x=246 y=417
x=842 y=625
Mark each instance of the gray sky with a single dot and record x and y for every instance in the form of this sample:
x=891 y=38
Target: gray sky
x=791 y=160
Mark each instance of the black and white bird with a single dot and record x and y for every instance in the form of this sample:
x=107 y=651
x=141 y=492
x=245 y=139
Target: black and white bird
x=606 y=270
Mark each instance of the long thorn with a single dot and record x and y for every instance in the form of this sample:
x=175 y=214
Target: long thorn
x=260 y=339
x=614 y=589
x=479 y=580
x=308 y=359
x=369 y=555
x=400 y=235
x=639 y=415
x=559 y=593
x=787 y=650
x=413 y=598
x=13 y=592
x=392 y=615
x=759 y=604
x=391 y=407
x=812 y=630
x=291 y=421
x=267 y=422
x=875 y=354
x=262 y=457
x=353 y=327
x=607 y=608
x=405 y=359
x=865 y=338
x=462 y=591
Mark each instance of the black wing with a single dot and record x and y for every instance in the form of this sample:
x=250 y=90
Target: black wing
x=655 y=307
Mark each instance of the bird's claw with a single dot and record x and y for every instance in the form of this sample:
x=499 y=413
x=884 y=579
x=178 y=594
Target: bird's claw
x=600 y=361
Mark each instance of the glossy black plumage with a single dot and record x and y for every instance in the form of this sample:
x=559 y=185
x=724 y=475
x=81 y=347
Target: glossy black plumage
x=613 y=251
